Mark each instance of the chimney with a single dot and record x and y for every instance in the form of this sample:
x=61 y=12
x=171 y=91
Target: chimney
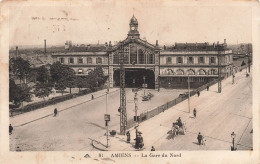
x=44 y=46
x=16 y=55
x=156 y=43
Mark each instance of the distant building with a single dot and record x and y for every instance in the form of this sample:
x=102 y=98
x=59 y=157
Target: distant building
x=167 y=67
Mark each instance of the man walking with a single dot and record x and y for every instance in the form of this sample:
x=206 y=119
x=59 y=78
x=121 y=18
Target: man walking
x=10 y=129
x=200 y=137
x=55 y=112
x=207 y=88
x=128 y=136
x=194 y=112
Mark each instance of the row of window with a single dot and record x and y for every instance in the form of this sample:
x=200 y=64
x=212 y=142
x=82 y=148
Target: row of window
x=189 y=72
x=141 y=58
x=80 y=60
x=190 y=60
x=184 y=79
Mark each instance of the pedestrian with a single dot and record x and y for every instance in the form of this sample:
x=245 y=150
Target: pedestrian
x=55 y=112
x=128 y=136
x=137 y=140
x=179 y=122
x=198 y=93
x=92 y=97
x=200 y=137
x=194 y=112
x=10 y=129
x=141 y=143
x=18 y=149
x=207 y=87
x=152 y=149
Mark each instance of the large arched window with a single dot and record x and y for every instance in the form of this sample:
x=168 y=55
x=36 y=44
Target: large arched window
x=115 y=58
x=150 y=59
x=169 y=72
x=180 y=72
x=133 y=54
x=202 y=72
x=141 y=57
x=191 y=72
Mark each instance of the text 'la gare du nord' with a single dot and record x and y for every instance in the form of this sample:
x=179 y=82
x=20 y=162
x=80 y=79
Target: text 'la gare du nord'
x=118 y=155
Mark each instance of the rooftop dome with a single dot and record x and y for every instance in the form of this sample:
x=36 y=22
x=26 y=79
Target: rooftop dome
x=133 y=20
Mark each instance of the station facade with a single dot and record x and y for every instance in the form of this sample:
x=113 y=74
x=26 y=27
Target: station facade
x=167 y=67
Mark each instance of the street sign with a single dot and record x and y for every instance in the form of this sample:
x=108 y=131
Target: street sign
x=107 y=117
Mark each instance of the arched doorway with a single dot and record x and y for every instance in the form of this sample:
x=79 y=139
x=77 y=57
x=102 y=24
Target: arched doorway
x=134 y=78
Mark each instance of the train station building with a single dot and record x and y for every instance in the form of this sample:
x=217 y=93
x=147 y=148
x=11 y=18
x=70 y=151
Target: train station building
x=155 y=65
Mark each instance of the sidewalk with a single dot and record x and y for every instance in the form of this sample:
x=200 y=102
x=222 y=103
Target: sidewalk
x=154 y=130
x=25 y=118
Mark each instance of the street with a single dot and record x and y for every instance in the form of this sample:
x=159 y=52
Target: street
x=218 y=115
x=72 y=127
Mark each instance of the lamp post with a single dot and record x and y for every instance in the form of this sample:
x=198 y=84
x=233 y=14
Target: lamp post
x=189 y=91
x=107 y=117
x=233 y=75
x=144 y=85
x=233 y=136
x=136 y=108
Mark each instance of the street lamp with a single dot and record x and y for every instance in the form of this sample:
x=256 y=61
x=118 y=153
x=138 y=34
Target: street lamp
x=233 y=136
x=189 y=91
x=233 y=75
x=107 y=117
x=144 y=85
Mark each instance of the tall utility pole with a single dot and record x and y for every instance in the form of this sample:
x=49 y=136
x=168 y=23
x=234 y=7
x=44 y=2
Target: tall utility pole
x=248 y=61
x=219 y=69
x=189 y=91
x=123 y=114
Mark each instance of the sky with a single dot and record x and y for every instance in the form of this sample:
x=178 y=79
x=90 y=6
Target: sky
x=95 y=22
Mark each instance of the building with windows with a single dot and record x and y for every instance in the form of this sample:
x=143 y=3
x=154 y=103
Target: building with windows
x=167 y=67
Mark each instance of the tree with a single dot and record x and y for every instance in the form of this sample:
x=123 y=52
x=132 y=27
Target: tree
x=96 y=78
x=42 y=75
x=55 y=71
x=60 y=85
x=42 y=90
x=81 y=82
x=63 y=76
x=20 y=68
x=18 y=94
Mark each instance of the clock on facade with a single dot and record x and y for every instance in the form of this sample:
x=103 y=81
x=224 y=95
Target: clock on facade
x=133 y=28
